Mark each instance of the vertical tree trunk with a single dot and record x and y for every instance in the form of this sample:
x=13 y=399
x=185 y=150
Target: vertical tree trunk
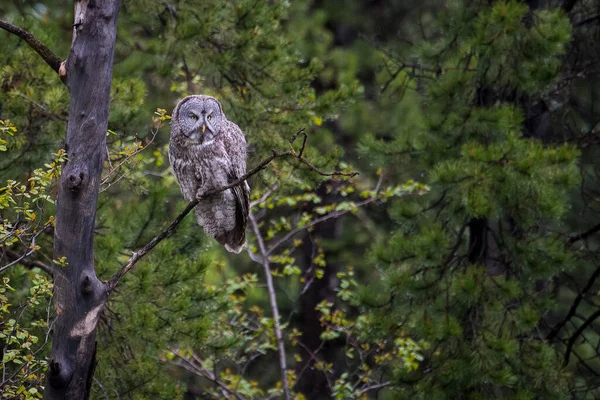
x=79 y=294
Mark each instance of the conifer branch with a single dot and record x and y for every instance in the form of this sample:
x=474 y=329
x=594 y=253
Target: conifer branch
x=274 y=308
x=49 y=57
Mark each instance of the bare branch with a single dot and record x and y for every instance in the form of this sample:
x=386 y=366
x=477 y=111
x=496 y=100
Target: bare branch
x=17 y=260
x=575 y=304
x=51 y=59
x=274 y=307
x=304 y=161
x=584 y=235
x=374 y=387
x=577 y=333
x=264 y=197
x=29 y=264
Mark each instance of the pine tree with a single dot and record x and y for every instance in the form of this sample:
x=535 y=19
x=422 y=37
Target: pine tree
x=470 y=268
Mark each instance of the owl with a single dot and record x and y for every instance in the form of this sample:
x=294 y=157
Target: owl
x=206 y=152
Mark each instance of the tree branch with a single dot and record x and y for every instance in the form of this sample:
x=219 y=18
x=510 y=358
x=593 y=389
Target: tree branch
x=584 y=235
x=51 y=59
x=575 y=304
x=374 y=387
x=199 y=370
x=137 y=255
x=577 y=333
x=14 y=256
x=274 y=308
x=333 y=214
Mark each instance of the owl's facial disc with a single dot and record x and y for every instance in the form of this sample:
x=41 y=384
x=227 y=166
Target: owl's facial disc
x=200 y=120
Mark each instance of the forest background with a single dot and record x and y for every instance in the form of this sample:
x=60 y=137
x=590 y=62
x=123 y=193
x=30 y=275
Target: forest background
x=461 y=261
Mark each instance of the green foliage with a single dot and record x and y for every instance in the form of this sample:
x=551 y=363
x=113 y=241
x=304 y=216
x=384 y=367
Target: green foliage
x=468 y=258
x=466 y=221
x=22 y=331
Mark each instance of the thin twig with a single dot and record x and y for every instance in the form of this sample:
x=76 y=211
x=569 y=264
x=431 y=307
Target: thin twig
x=304 y=161
x=29 y=264
x=264 y=197
x=333 y=214
x=17 y=260
x=374 y=387
x=138 y=150
x=205 y=373
x=51 y=59
x=274 y=307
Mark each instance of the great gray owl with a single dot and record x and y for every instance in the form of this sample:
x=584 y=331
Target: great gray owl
x=207 y=151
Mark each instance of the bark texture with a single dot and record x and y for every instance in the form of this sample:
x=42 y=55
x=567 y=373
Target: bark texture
x=79 y=294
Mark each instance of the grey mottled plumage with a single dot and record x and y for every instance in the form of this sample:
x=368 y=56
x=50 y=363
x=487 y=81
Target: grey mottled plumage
x=207 y=151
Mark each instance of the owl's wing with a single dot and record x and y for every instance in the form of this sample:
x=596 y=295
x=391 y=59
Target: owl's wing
x=236 y=148
x=183 y=173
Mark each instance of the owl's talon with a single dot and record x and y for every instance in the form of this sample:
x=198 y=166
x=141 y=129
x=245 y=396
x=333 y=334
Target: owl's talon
x=200 y=194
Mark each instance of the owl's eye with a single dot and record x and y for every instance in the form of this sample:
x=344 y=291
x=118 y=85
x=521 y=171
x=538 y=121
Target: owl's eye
x=209 y=117
x=194 y=117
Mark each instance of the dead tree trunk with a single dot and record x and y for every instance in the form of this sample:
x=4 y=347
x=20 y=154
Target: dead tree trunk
x=79 y=294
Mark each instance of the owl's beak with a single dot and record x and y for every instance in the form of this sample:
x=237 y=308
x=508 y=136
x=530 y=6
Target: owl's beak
x=203 y=128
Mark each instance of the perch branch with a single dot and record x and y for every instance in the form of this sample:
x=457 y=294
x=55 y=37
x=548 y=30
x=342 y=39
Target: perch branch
x=137 y=255
x=273 y=301
x=51 y=59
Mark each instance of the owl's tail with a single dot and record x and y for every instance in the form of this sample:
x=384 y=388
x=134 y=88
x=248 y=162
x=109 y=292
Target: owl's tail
x=234 y=249
x=233 y=240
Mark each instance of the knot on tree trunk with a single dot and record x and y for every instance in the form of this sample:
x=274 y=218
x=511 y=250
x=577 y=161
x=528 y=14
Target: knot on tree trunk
x=77 y=175
x=59 y=374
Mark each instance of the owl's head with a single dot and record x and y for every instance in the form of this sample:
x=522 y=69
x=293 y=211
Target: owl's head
x=199 y=118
